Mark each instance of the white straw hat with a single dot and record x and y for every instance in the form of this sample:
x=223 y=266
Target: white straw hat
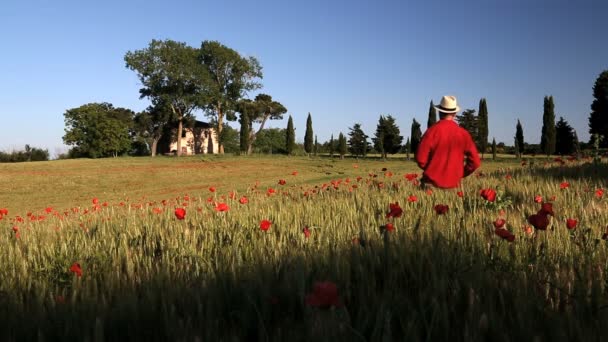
x=448 y=105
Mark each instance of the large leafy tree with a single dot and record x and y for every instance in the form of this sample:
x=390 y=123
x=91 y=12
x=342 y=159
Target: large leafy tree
x=170 y=74
x=432 y=116
x=415 y=136
x=565 y=138
x=150 y=124
x=357 y=141
x=231 y=76
x=519 y=139
x=598 y=118
x=308 y=136
x=290 y=137
x=387 y=138
x=482 y=127
x=262 y=109
x=547 y=138
x=98 y=130
x=271 y=140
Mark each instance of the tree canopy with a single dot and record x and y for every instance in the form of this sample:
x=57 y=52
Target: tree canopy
x=565 y=138
x=230 y=77
x=357 y=141
x=598 y=118
x=170 y=74
x=387 y=138
x=308 y=136
x=98 y=130
x=482 y=127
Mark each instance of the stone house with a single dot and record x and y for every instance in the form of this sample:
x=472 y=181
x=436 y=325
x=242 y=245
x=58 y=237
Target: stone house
x=200 y=138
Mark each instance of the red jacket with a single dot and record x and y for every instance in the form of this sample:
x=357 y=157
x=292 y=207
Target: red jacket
x=447 y=153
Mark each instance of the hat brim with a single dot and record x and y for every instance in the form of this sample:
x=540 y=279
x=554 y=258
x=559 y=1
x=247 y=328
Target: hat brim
x=448 y=110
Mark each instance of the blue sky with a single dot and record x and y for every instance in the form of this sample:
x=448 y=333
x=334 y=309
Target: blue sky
x=342 y=61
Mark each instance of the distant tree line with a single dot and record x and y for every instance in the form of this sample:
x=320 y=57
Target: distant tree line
x=179 y=79
x=26 y=155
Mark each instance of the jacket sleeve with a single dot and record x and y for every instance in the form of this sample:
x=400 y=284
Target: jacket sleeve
x=424 y=149
x=472 y=161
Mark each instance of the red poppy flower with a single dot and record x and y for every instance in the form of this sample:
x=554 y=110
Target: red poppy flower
x=48 y=210
x=507 y=177
x=546 y=208
x=564 y=185
x=389 y=227
x=441 y=209
x=265 y=225
x=571 y=223
x=180 y=213
x=540 y=221
x=394 y=210
x=76 y=269
x=282 y=182
x=429 y=192
x=388 y=174
x=221 y=207
x=211 y=189
x=306 y=232
x=499 y=223
x=460 y=194
x=95 y=200
x=412 y=198
x=157 y=210
x=295 y=173
x=411 y=176
x=599 y=193
x=488 y=194
x=243 y=200
x=3 y=211
x=270 y=191
x=505 y=234
x=527 y=229
x=538 y=198
x=324 y=295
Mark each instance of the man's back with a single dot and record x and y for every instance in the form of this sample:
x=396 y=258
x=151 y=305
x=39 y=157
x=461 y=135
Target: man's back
x=442 y=153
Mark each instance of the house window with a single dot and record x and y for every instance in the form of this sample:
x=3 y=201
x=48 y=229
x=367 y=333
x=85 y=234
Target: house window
x=183 y=133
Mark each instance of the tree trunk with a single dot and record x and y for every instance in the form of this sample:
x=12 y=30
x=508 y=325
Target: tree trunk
x=154 y=146
x=179 y=137
x=253 y=136
x=220 y=127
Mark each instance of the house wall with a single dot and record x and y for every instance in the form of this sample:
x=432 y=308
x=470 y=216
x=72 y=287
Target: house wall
x=205 y=145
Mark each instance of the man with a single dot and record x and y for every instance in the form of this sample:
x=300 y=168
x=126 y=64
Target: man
x=446 y=152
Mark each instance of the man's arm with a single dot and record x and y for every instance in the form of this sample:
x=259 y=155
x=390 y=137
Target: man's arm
x=471 y=154
x=422 y=154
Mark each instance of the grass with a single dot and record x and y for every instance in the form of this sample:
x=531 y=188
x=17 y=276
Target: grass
x=218 y=276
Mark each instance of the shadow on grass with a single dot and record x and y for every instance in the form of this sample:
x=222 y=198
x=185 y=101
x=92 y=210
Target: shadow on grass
x=425 y=282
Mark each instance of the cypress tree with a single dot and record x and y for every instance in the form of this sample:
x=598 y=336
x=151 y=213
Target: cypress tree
x=416 y=136
x=519 y=138
x=407 y=148
x=331 y=146
x=308 y=142
x=316 y=149
x=598 y=118
x=547 y=138
x=341 y=145
x=493 y=149
x=516 y=149
x=432 y=116
x=290 y=136
x=482 y=126
x=245 y=133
